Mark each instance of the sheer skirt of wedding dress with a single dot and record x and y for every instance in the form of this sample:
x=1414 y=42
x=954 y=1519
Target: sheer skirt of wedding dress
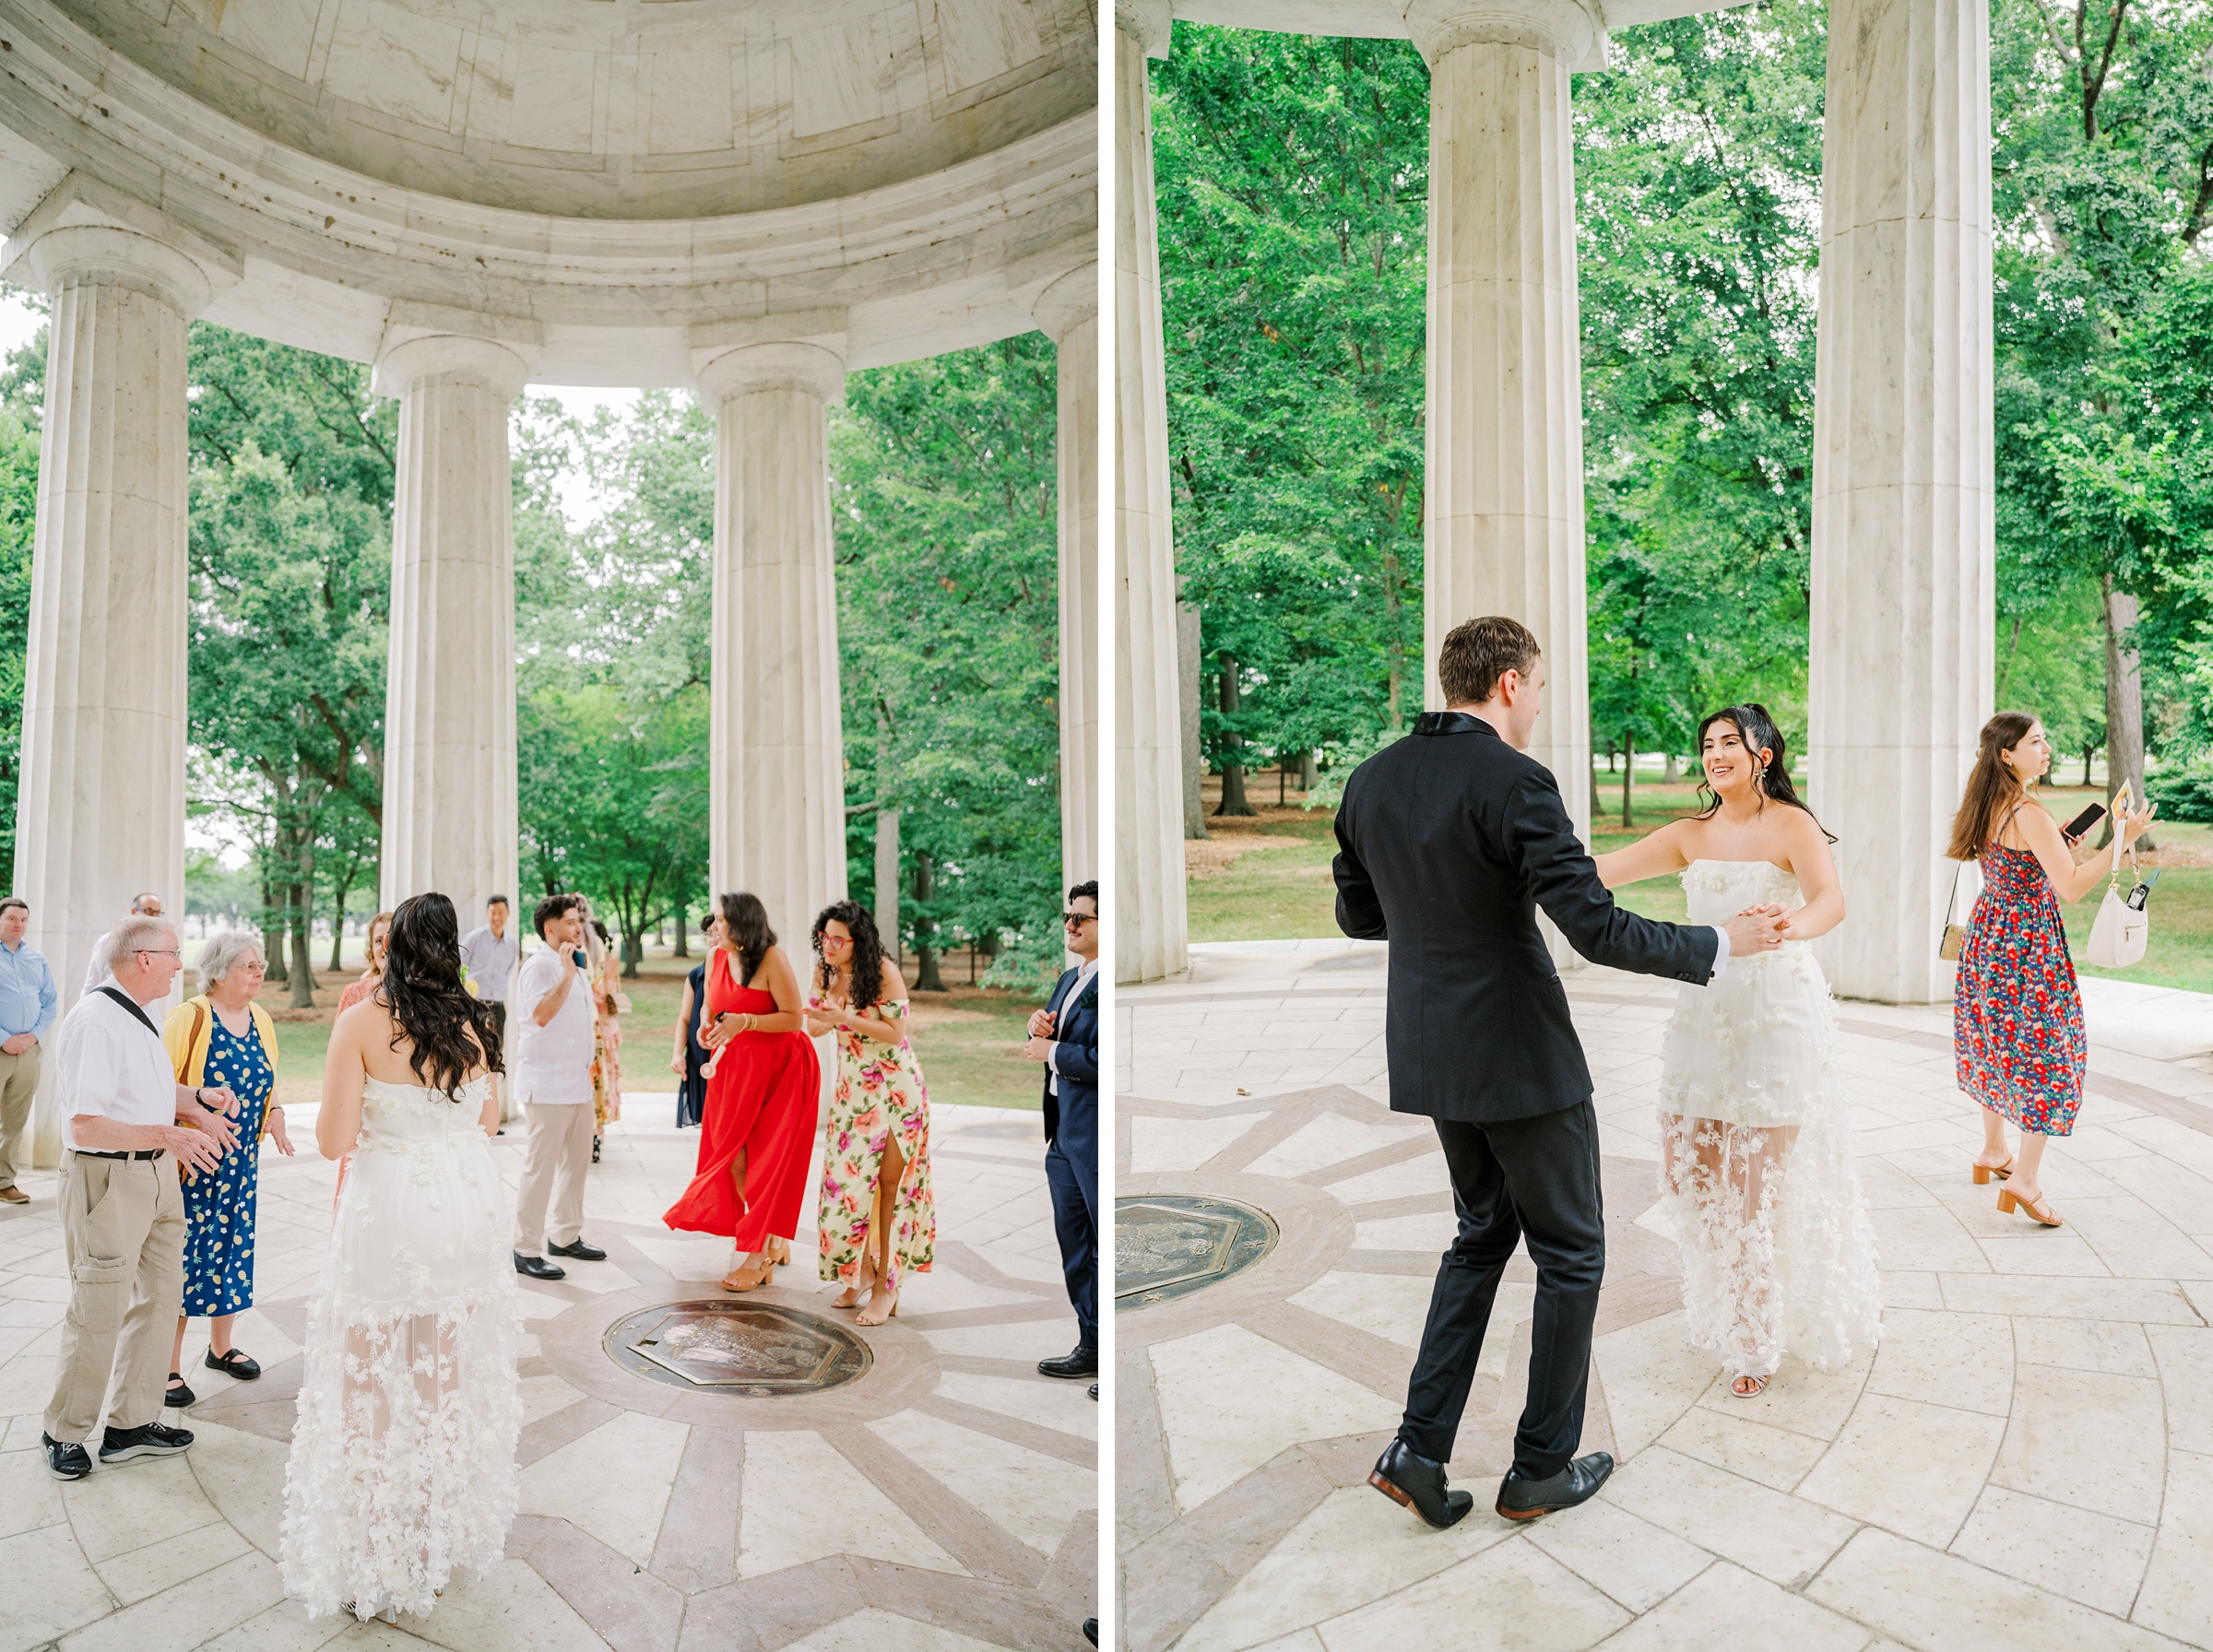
x=402 y=1465
x=1757 y=1181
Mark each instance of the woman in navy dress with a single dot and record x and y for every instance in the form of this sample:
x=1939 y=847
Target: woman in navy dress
x=691 y=1055
x=224 y=1038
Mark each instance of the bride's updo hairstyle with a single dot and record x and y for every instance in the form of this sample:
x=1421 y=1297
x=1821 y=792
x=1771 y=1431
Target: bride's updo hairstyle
x=422 y=988
x=1757 y=728
x=1992 y=788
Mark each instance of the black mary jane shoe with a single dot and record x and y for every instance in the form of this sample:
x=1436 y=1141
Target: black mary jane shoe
x=578 y=1250
x=179 y=1393
x=242 y=1366
x=1417 y=1483
x=1524 y=1499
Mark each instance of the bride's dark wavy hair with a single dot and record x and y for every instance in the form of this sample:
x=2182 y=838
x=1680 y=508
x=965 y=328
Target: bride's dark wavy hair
x=1757 y=728
x=868 y=952
x=452 y=1032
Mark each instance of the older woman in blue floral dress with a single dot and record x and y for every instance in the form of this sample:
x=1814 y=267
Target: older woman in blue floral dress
x=2018 y=1038
x=223 y=1037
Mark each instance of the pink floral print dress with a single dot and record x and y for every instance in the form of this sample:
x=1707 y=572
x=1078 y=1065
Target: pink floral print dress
x=879 y=1092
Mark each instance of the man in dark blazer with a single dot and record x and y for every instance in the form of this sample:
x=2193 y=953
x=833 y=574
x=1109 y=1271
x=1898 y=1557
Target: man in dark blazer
x=1065 y=1036
x=1449 y=841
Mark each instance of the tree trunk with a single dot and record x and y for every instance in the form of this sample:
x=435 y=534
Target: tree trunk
x=2124 y=702
x=634 y=953
x=1233 y=743
x=1308 y=775
x=927 y=978
x=271 y=920
x=887 y=880
x=1628 y=782
x=342 y=886
x=302 y=971
x=1189 y=689
x=1675 y=771
x=2087 y=750
x=683 y=932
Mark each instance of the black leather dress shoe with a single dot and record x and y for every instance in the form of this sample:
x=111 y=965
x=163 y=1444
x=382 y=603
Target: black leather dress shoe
x=1081 y=1362
x=65 y=1459
x=538 y=1267
x=578 y=1250
x=1091 y=1630
x=148 y=1439
x=1418 y=1482
x=1520 y=1499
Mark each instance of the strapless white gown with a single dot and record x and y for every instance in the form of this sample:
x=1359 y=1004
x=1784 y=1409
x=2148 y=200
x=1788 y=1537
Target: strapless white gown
x=1757 y=1181
x=402 y=1465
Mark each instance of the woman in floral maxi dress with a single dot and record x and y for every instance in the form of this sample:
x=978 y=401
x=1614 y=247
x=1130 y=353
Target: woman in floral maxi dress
x=876 y=1215
x=2018 y=1037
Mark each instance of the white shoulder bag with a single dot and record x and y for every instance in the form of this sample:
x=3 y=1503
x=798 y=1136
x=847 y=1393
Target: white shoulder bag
x=2122 y=931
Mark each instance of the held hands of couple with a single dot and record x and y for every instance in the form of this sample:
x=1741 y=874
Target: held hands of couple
x=1759 y=928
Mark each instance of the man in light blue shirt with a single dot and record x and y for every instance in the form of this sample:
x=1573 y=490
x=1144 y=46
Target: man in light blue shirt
x=27 y=1001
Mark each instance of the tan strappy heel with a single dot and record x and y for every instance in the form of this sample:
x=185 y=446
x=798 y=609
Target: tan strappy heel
x=2036 y=1209
x=1984 y=1171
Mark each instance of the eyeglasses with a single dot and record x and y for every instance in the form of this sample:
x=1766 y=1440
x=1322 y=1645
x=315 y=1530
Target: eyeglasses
x=160 y=952
x=1076 y=920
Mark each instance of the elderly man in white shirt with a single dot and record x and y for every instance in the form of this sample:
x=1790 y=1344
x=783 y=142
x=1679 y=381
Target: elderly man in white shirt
x=146 y=904
x=552 y=1077
x=128 y=1125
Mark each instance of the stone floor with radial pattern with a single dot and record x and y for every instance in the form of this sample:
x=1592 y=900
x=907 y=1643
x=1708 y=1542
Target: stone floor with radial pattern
x=945 y=1501
x=2026 y=1461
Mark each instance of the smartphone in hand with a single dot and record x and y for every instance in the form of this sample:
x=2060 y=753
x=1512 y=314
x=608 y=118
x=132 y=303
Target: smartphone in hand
x=2073 y=830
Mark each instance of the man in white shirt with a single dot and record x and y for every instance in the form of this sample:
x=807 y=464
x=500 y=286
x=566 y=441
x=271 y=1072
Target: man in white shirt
x=146 y=906
x=127 y=1123
x=552 y=1069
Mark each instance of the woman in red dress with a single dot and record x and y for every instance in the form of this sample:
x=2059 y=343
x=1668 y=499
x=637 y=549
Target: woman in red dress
x=763 y=1086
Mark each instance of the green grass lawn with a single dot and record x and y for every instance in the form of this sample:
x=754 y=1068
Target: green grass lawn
x=1276 y=884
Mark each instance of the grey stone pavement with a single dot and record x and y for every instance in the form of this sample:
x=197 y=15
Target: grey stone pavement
x=944 y=1502
x=2026 y=1462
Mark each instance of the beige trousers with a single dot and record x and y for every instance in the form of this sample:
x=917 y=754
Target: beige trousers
x=19 y=1085
x=559 y=1154
x=122 y=1232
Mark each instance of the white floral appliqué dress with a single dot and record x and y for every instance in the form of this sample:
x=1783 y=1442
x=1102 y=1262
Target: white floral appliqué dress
x=1757 y=1181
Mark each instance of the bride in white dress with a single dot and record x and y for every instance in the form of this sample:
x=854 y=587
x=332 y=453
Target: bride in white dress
x=1757 y=1180
x=402 y=1465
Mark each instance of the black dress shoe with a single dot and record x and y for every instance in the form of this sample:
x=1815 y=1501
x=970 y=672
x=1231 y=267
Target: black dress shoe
x=1520 y=1499
x=244 y=1368
x=1095 y=1390
x=578 y=1249
x=1091 y=1630
x=150 y=1439
x=180 y=1393
x=65 y=1459
x=1083 y=1362
x=1418 y=1484
x=538 y=1267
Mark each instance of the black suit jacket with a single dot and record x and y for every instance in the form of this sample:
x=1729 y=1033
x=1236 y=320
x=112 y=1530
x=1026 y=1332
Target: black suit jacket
x=1449 y=841
x=1071 y=1117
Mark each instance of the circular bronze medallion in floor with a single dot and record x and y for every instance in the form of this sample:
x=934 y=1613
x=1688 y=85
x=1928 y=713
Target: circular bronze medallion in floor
x=757 y=1350
x=1169 y=1244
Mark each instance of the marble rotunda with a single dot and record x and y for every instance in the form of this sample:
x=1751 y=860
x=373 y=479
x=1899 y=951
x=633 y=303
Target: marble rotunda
x=1903 y=531
x=747 y=199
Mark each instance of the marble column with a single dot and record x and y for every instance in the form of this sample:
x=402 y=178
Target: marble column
x=1903 y=534
x=1068 y=314
x=778 y=815
x=100 y=809
x=1147 y=893
x=1504 y=530
x=449 y=812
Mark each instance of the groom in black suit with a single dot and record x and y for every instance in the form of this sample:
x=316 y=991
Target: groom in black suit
x=1449 y=840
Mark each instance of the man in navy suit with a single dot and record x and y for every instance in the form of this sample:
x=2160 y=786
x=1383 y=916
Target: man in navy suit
x=1065 y=1036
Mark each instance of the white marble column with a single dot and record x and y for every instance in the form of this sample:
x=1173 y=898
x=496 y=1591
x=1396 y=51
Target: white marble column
x=449 y=813
x=1068 y=314
x=1147 y=893
x=777 y=816
x=100 y=809
x=1504 y=529
x=1903 y=498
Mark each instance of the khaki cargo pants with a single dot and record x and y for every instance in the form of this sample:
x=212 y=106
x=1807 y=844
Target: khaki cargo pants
x=122 y=1231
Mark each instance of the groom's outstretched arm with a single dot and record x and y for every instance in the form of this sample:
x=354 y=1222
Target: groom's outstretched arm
x=1359 y=912
x=1560 y=873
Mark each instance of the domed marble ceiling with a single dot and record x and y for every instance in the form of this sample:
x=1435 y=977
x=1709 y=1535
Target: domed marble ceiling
x=622 y=108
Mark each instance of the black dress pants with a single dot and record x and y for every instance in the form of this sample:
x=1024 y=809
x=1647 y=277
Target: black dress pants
x=1534 y=1179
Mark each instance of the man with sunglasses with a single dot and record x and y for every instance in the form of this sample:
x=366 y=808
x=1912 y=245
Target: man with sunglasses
x=1065 y=1036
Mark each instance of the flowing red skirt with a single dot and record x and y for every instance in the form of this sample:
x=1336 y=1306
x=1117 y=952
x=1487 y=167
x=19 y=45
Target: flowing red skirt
x=763 y=1098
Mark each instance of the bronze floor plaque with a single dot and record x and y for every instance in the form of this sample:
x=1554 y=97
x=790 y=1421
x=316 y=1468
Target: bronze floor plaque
x=1171 y=1245
x=755 y=1349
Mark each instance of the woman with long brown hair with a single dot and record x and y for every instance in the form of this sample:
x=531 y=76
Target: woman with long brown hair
x=2018 y=1038
x=758 y=1131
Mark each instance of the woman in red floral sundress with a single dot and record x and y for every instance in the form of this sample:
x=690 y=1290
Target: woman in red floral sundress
x=2017 y=1012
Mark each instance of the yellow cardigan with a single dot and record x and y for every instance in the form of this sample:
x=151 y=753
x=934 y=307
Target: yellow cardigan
x=190 y=1029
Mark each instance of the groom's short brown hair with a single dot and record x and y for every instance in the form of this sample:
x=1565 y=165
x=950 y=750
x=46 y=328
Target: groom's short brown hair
x=1478 y=653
